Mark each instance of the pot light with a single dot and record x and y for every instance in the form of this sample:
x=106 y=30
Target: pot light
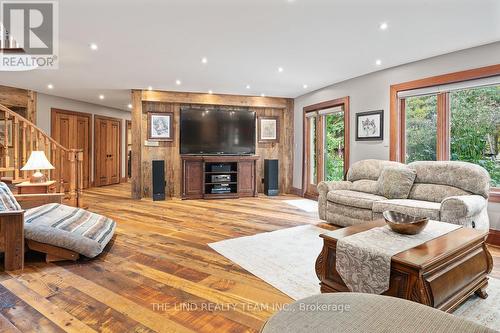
x=210 y=92
x=150 y=88
x=101 y=96
x=262 y=95
x=50 y=86
x=178 y=82
x=378 y=62
x=383 y=26
x=93 y=46
x=204 y=60
x=129 y=106
x=280 y=69
x=248 y=86
x=304 y=86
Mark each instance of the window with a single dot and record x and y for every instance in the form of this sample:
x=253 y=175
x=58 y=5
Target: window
x=421 y=128
x=443 y=118
x=334 y=146
x=475 y=128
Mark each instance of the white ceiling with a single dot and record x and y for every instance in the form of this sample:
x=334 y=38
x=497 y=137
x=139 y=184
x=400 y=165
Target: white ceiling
x=153 y=43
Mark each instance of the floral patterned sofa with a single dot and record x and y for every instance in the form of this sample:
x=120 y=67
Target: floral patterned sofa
x=449 y=191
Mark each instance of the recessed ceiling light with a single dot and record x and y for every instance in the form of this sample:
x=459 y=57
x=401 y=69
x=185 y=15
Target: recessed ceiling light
x=248 y=86
x=262 y=95
x=304 y=86
x=150 y=88
x=178 y=82
x=129 y=106
x=204 y=60
x=280 y=69
x=378 y=62
x=383 y=26
x=50 y=86
x=210 y=92
x=101 y=96
x=93 y=46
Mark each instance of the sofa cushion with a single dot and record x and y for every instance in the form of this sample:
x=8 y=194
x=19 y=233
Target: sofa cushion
x=364 y=185
x=395 y=182
x=466 y=176
x=434 y=192
x=417 y=208
x=368 y=169
x=353 y=198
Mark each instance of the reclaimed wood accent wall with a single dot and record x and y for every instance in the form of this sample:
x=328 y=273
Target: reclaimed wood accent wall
x=21 y=101
x=157 y=101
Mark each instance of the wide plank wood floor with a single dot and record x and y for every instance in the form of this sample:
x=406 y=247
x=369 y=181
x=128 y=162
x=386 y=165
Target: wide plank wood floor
x=158 y=275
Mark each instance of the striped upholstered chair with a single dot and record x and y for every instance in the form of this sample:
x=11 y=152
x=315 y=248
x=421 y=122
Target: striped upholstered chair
x=60 y=231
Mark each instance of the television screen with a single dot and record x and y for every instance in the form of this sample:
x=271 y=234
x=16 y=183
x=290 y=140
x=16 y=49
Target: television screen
x=217 y=131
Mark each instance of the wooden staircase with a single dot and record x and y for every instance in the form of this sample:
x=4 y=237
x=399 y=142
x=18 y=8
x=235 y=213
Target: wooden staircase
x=21 y=137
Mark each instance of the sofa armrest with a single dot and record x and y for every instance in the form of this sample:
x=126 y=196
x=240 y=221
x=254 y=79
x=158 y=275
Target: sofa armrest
x=462 y=206
x=324 y=188
x=34 y=200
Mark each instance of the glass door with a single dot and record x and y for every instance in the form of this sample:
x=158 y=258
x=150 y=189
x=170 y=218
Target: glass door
x=333 y=146
x=325 y=144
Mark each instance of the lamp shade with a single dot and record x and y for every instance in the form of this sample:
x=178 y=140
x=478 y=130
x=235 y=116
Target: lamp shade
x=37 y=161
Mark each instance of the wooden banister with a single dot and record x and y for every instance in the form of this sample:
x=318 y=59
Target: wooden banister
x=26 y=137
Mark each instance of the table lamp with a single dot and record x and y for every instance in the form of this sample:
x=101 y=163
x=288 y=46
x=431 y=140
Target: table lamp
x=37 y=161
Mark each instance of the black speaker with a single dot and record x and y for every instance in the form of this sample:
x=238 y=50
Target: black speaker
x=271 y=186
x=159 y=180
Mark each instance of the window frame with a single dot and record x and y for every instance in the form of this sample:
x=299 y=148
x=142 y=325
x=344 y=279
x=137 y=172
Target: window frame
x=397 y=113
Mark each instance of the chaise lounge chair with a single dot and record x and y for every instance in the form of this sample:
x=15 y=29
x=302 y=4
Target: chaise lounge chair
x=61 y=232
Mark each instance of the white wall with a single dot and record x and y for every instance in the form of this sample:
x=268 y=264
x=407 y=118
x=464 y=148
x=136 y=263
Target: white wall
x=371 y=92
x=43 y=118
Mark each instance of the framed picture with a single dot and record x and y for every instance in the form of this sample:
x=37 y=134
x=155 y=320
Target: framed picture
x=160 y=126
x=9 y=131
x=269 y=128
x=370 y=126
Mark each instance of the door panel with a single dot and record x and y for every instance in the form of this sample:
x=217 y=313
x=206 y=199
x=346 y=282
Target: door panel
x=107 y=150
x=72 y=130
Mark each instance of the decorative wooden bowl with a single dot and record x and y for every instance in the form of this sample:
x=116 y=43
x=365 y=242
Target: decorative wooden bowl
x=405 y=224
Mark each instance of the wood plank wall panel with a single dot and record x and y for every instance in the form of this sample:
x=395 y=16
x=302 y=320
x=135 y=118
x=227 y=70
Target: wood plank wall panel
x=169 y=151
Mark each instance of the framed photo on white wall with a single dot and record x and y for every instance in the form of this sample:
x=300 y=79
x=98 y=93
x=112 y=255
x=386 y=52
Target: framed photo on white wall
x=370 y=126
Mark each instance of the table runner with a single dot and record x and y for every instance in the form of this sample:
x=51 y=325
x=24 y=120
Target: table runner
x=364 y=259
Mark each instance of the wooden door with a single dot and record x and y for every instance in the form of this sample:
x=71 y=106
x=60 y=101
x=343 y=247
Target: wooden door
x=246 y=178
x=193 y=179
x=107 y=155
x=72 y=130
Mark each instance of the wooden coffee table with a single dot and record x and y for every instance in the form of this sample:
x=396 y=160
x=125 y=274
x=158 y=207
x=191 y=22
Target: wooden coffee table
x=441 y=273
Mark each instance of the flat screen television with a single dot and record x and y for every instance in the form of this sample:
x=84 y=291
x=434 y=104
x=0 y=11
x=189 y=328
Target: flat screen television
x=217 y=132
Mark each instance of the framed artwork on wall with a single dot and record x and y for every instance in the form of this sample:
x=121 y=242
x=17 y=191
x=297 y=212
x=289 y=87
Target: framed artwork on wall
x=3 y=128
x=268 y=129
x=160 y=126
x=370 y=126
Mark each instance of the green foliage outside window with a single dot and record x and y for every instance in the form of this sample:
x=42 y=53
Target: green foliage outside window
x=334 y=147
x=474 y=129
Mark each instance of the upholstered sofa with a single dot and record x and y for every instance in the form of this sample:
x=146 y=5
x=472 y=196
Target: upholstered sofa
x=449 y=191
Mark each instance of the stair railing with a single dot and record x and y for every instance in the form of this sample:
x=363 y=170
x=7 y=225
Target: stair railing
x=21 y=137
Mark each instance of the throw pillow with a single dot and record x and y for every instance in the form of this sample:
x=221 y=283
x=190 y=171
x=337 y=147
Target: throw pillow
x=395 y=182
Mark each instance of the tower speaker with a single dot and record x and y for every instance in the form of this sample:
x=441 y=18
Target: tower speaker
x=271 y=186
x=159 y=180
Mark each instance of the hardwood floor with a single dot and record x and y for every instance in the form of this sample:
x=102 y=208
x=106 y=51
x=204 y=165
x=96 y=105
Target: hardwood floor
x=158 y=274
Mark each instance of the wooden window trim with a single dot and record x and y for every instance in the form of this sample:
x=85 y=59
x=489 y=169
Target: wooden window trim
x=397 y=113
x=344 y=103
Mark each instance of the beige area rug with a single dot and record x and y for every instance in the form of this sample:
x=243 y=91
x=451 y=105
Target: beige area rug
x=285 y=259
x=306 y=205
